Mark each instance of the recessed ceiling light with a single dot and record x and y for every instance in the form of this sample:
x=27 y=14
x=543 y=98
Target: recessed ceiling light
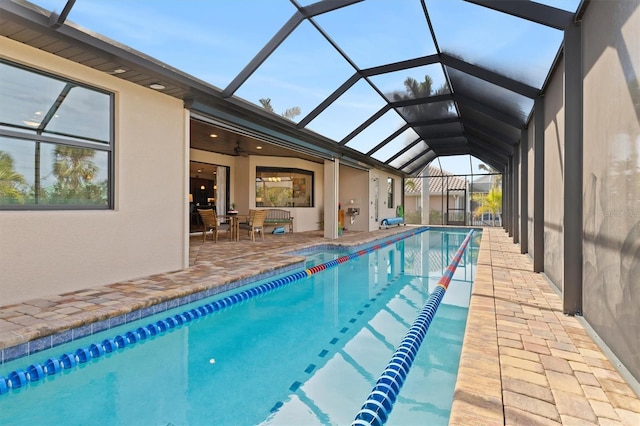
x=156 y=86
x=258 y=147
x=199 y=170
x=213 y=135
x=119 y=71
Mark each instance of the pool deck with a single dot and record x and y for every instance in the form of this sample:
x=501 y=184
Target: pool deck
x=523 y=361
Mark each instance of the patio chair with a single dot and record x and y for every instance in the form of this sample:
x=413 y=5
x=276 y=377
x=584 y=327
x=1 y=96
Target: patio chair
x=246 y=224
x=211 y=223
x=257 y=223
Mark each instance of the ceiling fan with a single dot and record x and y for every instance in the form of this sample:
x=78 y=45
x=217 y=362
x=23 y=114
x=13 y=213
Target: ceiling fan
x=238 y=150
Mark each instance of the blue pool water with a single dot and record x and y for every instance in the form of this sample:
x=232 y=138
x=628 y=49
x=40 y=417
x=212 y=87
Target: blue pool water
x=307 y=353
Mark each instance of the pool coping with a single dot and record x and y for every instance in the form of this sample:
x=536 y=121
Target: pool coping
x=42 y=335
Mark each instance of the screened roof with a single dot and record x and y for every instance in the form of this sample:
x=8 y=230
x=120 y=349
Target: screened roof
x=395 y=84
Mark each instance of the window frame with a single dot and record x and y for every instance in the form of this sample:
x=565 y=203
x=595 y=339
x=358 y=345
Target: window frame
x=287 y=170
x=390 y=192
x=74 y=141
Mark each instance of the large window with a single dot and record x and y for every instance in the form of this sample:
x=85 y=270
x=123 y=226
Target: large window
x=281 y=187
x=56 y=142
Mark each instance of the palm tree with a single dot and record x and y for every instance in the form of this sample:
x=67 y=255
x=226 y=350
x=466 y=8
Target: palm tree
x=418 y=90
x=490 y=202
x=12 y=183
x=289 y=113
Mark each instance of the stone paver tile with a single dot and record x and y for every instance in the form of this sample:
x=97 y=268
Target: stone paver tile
x=68 y=310
x=525 y=364
x=512 y=328
x=535 y=340
x=531 y=405
x=533 y=347
x=599 y=363
x=615 y=386
x=594 y=393
x=556 y=364
x=609 y=422
x=527 y=376
x=514 y=416
x=625 y=402
x=505 y=319
x=508 y=335
x=510 y=343
x=473 y=408
x=538 y=325
x=586 y=379
x=580 y=366
x=574 y=405
x=628 y=418
x=526 y=388
x=604 y=409
x=607 y=374
x=574 y=421
x=567 y=347
x=592 y=353
x=564 y=382
x=519 y=353
x=8 y=326
x=569 y=356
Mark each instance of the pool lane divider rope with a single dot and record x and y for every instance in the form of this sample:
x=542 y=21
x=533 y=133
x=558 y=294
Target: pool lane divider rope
x=69 y=360
x=379 y=403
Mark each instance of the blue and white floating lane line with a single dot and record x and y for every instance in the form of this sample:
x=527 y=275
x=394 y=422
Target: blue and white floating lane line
x=36 y=372
x=379 y=403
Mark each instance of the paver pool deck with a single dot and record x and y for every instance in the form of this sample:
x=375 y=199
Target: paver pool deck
x=523 y=361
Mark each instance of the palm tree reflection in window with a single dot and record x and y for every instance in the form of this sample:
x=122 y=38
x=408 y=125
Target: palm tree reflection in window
x=13 y=186
x=75 y=172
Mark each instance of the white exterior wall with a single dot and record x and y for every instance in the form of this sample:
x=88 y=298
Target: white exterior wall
x=52 y=252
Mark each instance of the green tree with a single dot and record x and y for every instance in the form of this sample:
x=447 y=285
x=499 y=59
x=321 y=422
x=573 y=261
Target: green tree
x=289 y=113
x=13 y=185
x=490 y=202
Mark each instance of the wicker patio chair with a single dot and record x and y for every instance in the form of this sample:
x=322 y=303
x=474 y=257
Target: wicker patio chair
x=257 y=224
x=246 y=225
x=211 y=223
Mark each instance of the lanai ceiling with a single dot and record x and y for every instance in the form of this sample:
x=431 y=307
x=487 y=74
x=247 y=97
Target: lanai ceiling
x=385 y=83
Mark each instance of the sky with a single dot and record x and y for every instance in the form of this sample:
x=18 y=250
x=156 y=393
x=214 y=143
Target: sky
x=213 y=40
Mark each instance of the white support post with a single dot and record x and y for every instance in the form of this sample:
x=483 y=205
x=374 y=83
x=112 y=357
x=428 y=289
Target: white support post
x=331 y=198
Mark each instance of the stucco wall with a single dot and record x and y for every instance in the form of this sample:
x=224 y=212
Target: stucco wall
x=354 y=187
x=51 y=252
x=553 y=177
x=611 y=185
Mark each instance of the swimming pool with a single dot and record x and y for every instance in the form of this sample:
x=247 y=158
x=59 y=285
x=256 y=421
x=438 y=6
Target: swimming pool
x=308 y=352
